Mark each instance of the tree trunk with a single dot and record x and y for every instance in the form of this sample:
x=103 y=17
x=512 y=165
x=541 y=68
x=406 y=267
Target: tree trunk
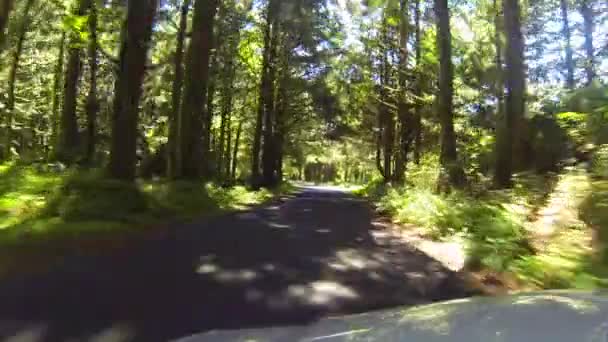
x=173 y=158
x=193 y=112
x=452 y=173
x=235 y=151
x=406 y=123
x=498 y=29
x=418 y=88
x=68 y=135
x=5 y=10
x=567 y=37
x=515 y=101
x=227 y=154
x=269 y=151
x=137 y=32
x=264 y=120
x=12 y=76
x=57 y=92
x=92 y=103
x=388 y=127
x=588 y=16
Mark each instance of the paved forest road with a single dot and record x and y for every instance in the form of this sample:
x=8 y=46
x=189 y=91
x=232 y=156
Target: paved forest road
x=318 y=253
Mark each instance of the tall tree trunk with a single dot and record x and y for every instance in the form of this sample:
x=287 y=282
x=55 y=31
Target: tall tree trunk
x=194 y=113
x=12 y=76
x=452 y=172
x=515 y=100
x=388 y=136
x=5 y=10
x=68 y=135
x=174 y=155
x=418 y=87
x=136 y=35
x=92 y=103
x=262 y=128
x=587 y=13
x=567 y=37
x=57 y=92
x=498 y=29
x=227 y=153
x=269 y=151
x=406 y=123
x=235 y=151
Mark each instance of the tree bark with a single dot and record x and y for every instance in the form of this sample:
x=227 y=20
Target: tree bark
x=194 y=113
x=57 y=92
x=5 y=10
x=235 y=151
x=137 y=32
x=418 y=88
x=92 y=103
x=453 y=174
x=174 y=155
x=12 y=76
x=587 y=13
x=68 y=134
x=406 y=124
x=515 y=98
x=269 y=151
x=568 y=51
x=388 y=127
x=263 y=127
x=498 y=29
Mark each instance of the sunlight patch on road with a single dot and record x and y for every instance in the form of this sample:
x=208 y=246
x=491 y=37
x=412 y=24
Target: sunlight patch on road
x=321 y=292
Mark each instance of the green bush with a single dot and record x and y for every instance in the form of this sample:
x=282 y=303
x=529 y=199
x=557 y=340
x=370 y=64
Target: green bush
x=494 y=235
x=88 y=196
x=599 y=163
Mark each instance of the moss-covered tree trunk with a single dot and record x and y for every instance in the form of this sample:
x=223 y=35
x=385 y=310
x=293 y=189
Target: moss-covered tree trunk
x=57 y=92
x=451 y=173
x=92 y=103
x=67 y=149
x=12 y=76
x=515 y=96
x=136 y=35
x=193 y=111
x=173 y=158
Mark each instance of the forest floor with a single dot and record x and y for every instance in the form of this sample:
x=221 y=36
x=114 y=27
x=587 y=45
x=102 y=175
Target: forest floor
x=547 y=232
x=314 y=253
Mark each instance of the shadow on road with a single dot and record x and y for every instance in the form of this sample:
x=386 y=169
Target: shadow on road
x=293 y=262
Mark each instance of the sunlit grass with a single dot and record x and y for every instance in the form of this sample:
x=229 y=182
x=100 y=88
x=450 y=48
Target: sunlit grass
x=46 y=215
x=541 y=231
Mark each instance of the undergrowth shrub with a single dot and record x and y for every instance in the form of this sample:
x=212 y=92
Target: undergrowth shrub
x=494 y=234
x=88 y=196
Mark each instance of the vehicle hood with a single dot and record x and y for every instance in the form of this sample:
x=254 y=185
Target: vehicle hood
x=553 y=316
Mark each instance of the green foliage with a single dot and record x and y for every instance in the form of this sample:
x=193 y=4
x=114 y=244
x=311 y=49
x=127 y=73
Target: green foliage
x=494 y=234
x=599 y=163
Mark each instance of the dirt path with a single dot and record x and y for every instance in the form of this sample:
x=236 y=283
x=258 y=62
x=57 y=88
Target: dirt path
x=320 y=253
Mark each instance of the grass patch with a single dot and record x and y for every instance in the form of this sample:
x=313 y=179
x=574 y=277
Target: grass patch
x=46 y=215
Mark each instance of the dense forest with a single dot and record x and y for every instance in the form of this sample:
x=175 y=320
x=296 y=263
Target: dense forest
x=450 y=113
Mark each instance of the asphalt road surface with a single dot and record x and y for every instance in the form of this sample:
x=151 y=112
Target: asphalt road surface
x=319 y=252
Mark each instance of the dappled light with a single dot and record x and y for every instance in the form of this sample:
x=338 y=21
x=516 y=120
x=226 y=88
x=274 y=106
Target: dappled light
x=170 y=168
x=278 y=276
